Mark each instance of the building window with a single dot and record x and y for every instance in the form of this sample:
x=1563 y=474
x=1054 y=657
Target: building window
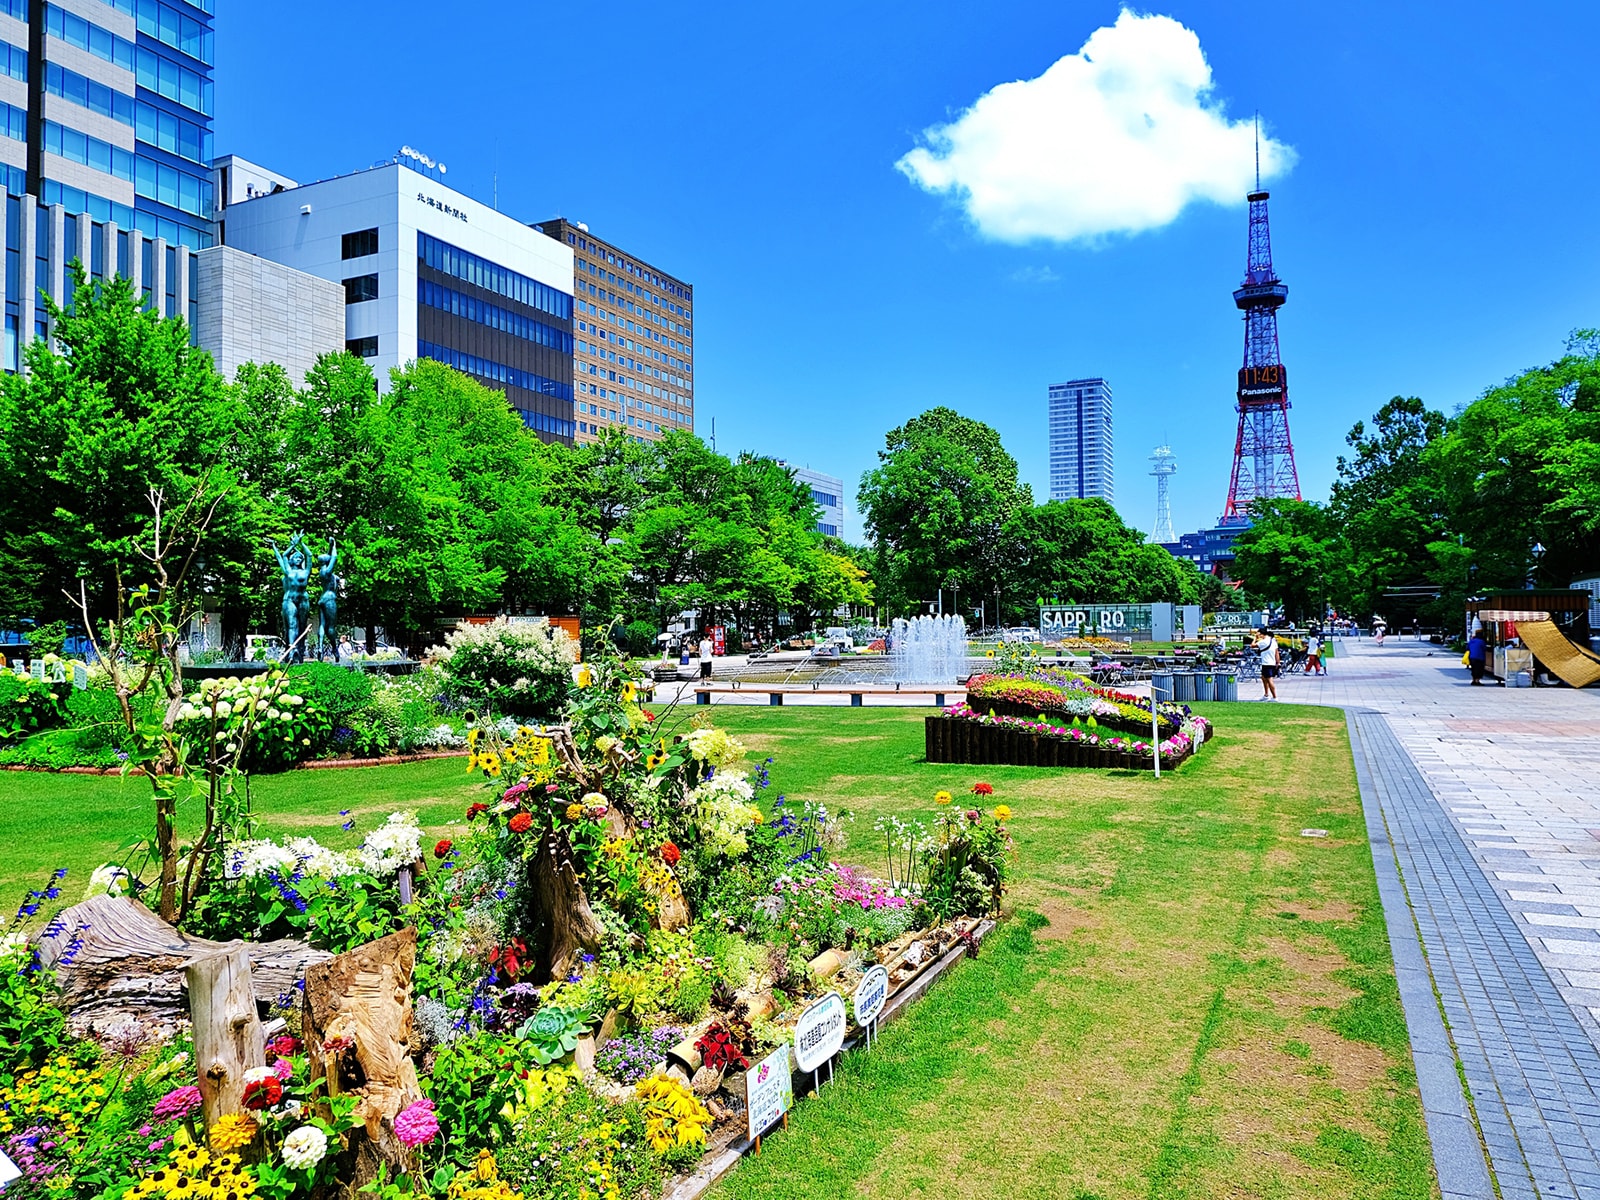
x=86 y=93
x=362 y=287
x=363 y=347
x=359 y=244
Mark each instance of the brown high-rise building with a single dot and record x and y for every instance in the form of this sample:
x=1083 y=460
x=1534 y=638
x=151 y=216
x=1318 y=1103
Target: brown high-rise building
x=632 y=340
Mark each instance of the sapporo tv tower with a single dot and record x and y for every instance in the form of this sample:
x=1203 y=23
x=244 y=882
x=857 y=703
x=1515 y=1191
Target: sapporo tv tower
x=1263 y=454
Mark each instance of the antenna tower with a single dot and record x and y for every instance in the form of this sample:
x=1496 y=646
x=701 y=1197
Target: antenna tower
x=1166 y=465
x=1263 y=453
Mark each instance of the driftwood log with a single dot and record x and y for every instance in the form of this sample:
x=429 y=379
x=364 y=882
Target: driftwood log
x=358 y=1032
x=227 y=1031
x=116 y=961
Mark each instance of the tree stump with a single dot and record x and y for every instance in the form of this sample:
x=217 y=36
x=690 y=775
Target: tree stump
x=227 y=1032
x=357 y=1027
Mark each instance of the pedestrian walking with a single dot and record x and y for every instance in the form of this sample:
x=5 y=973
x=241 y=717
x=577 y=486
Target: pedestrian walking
x=1267 y=646
x=705 y=658
x=1327 y=653
x=1313 y=654
x=1478 y=661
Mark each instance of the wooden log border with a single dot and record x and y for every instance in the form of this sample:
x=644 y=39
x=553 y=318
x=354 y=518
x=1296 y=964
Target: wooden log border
x=959 y=740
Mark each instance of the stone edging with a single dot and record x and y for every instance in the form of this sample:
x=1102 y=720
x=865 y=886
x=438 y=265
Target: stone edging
x=320 y=764
x=706 y=1177
x=1458 y=1154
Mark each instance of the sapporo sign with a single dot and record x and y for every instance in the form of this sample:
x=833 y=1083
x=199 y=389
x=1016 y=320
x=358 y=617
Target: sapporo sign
x=769 y=1091
x=819 y=1033
x=871 y=994
x=1121 y=622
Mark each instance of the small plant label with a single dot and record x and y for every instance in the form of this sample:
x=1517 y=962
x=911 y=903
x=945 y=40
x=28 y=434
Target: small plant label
x=8 y=1170
x=769 y=1091
x=871 y=994
x=819 y=1033
x=80 y=677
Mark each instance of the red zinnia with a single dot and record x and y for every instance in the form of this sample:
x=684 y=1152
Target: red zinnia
x=282 y=1046
x=441 y=847
x=520 y=823
x=982 y=789
x=649 y=716
x=263 y=1093
x=474 y=809
x=670 y=854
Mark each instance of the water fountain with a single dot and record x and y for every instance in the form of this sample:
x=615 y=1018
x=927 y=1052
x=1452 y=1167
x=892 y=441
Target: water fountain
x=928 y=650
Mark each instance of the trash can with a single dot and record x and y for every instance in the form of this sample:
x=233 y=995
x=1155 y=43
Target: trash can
x=1205 y=687
x=1227 y=687
x=1183 y=686
x=1161 y=685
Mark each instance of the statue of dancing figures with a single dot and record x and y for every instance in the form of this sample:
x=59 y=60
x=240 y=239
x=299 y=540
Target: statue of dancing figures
x=328 y=602
x=296 y=567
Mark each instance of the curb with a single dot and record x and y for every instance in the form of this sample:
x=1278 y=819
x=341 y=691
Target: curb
x=321 y=764
x=1459 y=1160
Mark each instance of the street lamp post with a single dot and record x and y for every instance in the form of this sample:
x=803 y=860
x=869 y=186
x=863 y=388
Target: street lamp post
x=1538 y=553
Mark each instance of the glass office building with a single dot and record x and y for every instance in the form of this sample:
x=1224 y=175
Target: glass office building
x=1080 y=440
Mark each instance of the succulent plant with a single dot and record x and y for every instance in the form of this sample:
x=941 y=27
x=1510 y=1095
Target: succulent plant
x=552 y=1032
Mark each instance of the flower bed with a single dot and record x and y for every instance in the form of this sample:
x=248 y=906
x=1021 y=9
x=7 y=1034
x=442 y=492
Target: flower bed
x=1065 y=697
x=621 y=925
x=961 y=735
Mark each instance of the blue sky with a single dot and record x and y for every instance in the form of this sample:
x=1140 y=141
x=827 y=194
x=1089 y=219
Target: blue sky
x=1436 y=228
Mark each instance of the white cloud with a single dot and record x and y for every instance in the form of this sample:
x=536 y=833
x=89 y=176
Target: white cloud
x=1117 y=138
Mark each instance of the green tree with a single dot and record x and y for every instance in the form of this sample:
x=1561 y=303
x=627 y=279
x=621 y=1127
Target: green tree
x=125 y=407
x=1288 y=555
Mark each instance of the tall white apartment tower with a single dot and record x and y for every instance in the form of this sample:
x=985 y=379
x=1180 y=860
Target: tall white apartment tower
x=1080 y=440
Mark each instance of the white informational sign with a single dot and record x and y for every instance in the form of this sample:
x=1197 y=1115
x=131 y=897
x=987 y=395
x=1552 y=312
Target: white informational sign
x=8 y=1170
x=769 y=1091
x=819 y=1033
x=871 y=994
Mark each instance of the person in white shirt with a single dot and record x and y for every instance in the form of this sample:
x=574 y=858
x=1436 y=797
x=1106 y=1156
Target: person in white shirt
x=705 y=658
x=1313 y=654
x=1267 y=646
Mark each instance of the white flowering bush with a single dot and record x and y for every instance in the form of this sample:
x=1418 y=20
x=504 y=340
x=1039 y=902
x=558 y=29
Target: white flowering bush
x=725 y=811
x=253 y=721
x=394 y=844
x=519 y=669
x=715 y=748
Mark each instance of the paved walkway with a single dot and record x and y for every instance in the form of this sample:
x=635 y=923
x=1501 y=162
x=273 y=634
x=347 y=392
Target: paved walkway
x=1490 y=799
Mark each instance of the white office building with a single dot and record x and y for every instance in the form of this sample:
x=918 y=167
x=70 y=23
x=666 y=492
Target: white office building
x=1080 y=440
x=828 y=493
x=426 y=272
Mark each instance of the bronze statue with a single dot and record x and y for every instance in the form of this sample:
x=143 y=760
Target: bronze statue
x=294 y=563
x=328 y=602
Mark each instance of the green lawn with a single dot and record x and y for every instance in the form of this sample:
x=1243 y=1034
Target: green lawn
x=1192 y=1000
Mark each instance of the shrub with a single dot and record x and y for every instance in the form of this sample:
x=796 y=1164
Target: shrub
x=640 y=638
x=521 y=670
x=340 y=692
x=29 y=705
x=378 y=724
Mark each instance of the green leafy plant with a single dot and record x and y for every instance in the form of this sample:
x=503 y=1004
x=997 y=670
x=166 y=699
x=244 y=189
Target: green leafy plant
x=552 y=1033
x=28 y=705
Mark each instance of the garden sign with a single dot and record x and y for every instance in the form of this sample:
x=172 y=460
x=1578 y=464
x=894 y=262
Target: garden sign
x=819 y=1033
x=769 y=1091
x=871 y=994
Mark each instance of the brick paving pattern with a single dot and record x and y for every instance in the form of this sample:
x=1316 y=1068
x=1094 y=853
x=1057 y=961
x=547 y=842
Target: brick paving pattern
x=1490 y=798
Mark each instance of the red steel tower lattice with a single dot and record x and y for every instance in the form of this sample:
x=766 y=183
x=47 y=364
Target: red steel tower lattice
x=1263 y=454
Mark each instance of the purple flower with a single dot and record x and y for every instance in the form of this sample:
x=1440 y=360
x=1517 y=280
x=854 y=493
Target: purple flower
x=415 y=1125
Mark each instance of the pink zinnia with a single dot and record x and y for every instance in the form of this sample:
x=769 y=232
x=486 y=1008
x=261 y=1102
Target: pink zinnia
x=415 y=1125
x=177 y=1104
x=284 y=1069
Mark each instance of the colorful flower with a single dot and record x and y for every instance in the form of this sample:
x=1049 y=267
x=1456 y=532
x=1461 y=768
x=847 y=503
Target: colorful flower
x=942 y=797
x=475 y=808
x=520 y=823
x=233 y=1131
x=415 y=1125
x=982 y=789
x=284 y=1045
x=670 y=854
x=283 y=1069
x=262 y=1088
x=305 y=1148
x=177 y=1104
x=441 y=848
x=1002 y=812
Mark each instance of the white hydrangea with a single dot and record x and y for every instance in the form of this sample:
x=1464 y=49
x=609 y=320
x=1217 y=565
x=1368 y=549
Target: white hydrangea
x=396 y=843
x=108 y=879
x=725 y=810
x=261 y=856
x=317 y=860
x=716 y=747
